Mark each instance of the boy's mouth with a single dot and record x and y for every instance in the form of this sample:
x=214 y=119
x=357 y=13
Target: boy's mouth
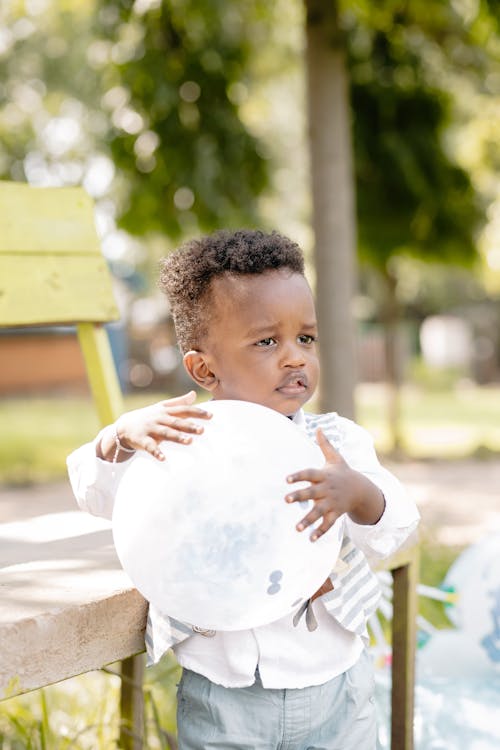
x=294 y=384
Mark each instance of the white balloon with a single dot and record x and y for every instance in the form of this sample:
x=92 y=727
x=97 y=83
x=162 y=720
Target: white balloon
x=475 y=576
x=474 y=647
x=475 y=572
x=452 y=654
x=206 y=535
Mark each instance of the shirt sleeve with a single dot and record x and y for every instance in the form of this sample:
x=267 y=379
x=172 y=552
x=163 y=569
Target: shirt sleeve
x=400 y=517
x=94 y=481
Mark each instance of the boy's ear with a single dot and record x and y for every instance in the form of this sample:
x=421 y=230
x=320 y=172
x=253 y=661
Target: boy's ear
x=198 y=368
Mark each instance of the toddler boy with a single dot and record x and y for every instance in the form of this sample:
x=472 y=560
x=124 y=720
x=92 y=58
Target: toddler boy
x=246 y=324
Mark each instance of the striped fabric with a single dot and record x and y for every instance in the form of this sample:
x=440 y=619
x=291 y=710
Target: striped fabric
x=356 y=589
x=163 y=632
x=355 y=594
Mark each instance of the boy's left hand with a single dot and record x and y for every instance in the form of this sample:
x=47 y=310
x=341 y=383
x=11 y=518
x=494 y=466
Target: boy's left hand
x=336 y=489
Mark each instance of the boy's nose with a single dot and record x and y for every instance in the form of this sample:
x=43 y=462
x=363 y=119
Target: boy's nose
x=293 y=356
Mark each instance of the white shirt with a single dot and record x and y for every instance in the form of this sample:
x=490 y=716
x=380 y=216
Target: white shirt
x=288 y=656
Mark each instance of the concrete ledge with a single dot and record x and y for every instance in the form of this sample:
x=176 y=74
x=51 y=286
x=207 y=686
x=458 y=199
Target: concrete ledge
x=47 y=648
x=66 y=606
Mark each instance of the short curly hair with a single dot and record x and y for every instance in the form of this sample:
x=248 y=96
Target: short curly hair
x=187 y=273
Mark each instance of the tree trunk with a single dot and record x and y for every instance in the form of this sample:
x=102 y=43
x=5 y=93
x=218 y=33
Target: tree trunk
x=333 y=204
x=391 y=316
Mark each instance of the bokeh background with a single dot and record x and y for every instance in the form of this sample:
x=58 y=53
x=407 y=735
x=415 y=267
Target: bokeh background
x=184 y=116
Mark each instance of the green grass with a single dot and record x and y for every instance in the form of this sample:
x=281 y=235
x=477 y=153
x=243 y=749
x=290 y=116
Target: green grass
x=80 y=713
x=83 y=713
x=435 y=561
x=39 y=433
x=455 y=423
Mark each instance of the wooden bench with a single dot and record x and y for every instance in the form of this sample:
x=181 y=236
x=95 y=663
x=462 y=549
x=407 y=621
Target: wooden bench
x=74 y=610
x=53 y=272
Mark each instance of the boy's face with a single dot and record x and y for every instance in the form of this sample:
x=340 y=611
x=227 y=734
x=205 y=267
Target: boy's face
x=261 y=342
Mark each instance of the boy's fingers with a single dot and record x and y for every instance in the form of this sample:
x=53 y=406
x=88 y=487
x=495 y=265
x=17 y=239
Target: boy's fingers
x=189 y=411
x=326 y=524
x=150 y=446
x=307 y=475
x=174 y=435
x=320 y=530
x=311 y=517
x=313 y=492
x=180 y=425
x=329 y=452
x=186 y=398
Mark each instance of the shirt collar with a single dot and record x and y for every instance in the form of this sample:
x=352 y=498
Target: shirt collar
x=299 y=419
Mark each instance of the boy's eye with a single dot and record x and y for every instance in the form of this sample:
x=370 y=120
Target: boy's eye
x=305 y=338
x=266 y=342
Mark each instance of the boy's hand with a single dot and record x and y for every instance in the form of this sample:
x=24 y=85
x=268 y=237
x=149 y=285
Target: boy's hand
x=144 y=429
x=336 y=489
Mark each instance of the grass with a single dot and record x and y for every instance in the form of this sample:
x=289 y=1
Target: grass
x=43 y=431
x=80 y=714
x=83 y=713
x=435 y=561
x=455 y=423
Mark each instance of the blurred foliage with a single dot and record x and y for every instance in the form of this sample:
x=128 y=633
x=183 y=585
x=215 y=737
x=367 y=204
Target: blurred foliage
x=188 y=115
x=82 y=713
x=426 y=289
x=77 y=714
x=435 y=561
x=50 y=114
x=158 y=84
x=409 y=66
x=435 y=379
x=412 y=195
x=178 y=73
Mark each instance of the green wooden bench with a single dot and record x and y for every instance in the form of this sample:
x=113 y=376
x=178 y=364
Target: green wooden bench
x=52 y=272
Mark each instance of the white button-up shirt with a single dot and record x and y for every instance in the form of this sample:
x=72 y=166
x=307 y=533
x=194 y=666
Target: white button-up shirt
x=287 y=655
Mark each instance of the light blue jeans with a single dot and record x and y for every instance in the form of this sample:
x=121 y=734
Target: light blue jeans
x=339 y=715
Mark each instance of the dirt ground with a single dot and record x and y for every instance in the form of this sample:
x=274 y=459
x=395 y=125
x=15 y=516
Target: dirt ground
x=459 y=500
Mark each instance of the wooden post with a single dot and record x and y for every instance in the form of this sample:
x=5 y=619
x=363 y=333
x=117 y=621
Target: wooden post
x=403 y=652
x=131 y=704
x=101 y=371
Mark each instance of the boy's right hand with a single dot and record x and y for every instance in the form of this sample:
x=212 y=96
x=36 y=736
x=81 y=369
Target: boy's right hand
x=144 y=429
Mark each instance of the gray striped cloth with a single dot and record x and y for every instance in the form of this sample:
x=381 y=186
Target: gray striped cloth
x=353 y=599
x=356 y=590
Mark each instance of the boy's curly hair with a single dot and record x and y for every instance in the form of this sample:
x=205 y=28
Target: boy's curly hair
x=186 y=274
